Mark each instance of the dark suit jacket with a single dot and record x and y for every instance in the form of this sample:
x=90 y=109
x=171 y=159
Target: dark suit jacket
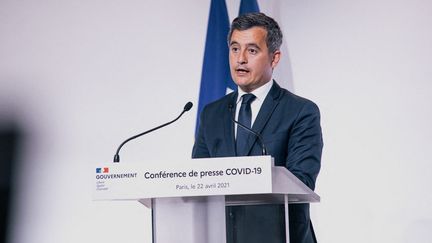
x=290 y=128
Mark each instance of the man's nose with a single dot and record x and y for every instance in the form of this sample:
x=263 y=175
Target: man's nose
x=242 y=58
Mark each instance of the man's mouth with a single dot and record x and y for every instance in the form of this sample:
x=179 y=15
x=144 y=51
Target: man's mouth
x=242 y=70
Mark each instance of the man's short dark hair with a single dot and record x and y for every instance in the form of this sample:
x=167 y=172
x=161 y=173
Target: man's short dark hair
x=247 y=21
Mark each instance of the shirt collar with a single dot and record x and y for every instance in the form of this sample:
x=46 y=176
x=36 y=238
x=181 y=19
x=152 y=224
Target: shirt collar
x=260 y=93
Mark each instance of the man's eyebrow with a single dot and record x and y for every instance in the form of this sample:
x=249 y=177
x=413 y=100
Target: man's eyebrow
x=253 y=45
x=233 y=43
x=248 y=45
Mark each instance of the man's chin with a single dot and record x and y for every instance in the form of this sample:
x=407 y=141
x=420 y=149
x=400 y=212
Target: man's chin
x=241 y=81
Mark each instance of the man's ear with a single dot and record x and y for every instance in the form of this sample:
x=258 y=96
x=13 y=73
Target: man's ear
x=276 y=58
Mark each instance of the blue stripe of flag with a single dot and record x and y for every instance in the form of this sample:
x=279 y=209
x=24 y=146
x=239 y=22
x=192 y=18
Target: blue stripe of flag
x=215 y=77
x=248 y=6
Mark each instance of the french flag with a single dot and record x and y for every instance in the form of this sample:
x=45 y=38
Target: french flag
x=216 y=79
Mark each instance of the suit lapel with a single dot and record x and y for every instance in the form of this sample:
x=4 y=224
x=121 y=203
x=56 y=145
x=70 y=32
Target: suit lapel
x=229 y=125
x=264 y=114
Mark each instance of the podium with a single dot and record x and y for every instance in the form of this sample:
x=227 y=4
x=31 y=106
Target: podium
x=188 y=197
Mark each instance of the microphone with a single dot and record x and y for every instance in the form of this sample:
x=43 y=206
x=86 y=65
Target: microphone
x=264 y=150
x=187 y=107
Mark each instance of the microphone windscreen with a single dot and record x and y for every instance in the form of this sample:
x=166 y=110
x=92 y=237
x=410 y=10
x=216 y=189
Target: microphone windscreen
x=188 y=106
x=230 y=106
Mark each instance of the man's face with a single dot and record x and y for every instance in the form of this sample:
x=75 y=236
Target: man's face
x=250 y=61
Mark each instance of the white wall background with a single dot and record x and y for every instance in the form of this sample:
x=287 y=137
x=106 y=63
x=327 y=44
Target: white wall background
x=81 y=76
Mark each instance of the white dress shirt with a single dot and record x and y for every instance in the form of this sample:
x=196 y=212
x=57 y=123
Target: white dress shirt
x=260 y=94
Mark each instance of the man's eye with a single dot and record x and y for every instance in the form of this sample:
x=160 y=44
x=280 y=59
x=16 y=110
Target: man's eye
x=234 y=49
x=253 y=51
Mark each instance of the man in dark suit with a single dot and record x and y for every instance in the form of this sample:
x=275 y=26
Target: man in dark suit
x=288 y=124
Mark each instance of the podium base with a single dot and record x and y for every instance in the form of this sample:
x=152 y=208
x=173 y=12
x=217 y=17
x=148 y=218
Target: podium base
x=189 y=219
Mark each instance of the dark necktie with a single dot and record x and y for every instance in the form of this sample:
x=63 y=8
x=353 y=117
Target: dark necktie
x=245 y=118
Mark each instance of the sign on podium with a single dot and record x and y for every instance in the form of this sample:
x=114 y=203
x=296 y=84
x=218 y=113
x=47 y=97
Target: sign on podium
x=188 y=197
